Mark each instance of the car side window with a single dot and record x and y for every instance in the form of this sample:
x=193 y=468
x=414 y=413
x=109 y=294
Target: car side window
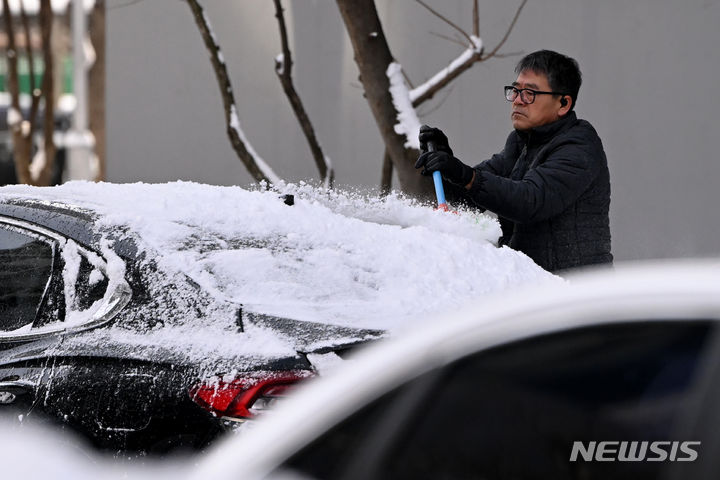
x=516 y=411
x=371 y=427
x=90 y=284
x=25 y=270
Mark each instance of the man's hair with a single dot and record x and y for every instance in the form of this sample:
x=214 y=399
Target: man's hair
x=562 y=72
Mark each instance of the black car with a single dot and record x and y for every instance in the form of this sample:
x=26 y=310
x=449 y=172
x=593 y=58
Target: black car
x=89 y=323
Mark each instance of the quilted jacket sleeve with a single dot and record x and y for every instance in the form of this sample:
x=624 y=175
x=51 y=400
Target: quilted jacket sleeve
x=562 y=171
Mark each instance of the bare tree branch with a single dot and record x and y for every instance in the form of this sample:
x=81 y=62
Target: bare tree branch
x=445 y=77
x=449 y=38
x=509 y=54
x=283 y=68
x=494 y=51
x=439 y=103
x=254 y=164
x=471 y=56
x=123 y=5
x=444 y=19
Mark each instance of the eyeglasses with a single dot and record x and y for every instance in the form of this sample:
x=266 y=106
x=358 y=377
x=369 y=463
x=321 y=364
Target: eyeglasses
x=527 y=95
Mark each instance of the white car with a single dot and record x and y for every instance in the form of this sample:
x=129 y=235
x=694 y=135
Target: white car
x=612 y=375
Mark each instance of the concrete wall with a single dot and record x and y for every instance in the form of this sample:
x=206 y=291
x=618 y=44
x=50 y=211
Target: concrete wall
x=649 y=67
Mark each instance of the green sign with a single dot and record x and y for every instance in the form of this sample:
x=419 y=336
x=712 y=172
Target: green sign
x=39 y=67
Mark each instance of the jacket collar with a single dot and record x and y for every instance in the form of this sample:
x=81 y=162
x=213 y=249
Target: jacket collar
x=543 y=133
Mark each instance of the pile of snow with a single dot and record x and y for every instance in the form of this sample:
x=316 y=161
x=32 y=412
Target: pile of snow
x=337 y=257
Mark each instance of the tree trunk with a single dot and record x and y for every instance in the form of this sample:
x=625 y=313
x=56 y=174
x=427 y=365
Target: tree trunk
x=372 y=56
x=48 y=88
x=22 y=129
x=22 y=142
x=386 y=177
x=96 y=84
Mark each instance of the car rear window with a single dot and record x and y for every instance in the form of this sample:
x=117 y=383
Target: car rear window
x=25 y=268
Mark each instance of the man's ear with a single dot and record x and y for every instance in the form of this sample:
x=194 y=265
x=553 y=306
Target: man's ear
x=565 y=105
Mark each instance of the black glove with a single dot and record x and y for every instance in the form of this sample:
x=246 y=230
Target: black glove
x=452 y=169
x=435 y=135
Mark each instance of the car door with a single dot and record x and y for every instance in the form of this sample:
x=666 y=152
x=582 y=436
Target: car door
x=26 y=266
x=608 y=401
x=43 y=277
x=50 y=284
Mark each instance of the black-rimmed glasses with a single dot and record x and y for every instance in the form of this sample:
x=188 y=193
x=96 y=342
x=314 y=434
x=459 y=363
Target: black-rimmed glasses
x=527 y=95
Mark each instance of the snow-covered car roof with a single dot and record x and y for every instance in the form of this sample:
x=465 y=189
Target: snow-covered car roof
x=337 y=267
x=333 y=257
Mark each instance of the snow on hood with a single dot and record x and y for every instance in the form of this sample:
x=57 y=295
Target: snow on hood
x=338 y=257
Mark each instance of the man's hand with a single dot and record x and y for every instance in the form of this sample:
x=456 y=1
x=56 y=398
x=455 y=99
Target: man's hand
x=435 y=135
x=452 y=169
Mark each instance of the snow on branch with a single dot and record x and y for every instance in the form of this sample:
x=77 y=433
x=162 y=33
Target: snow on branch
x=464 y=61
x=257 y=167
x=408 y=122
x=267 y=172
x=473 y=53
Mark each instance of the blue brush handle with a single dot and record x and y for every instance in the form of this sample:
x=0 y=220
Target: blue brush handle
x=437 y=178
x=439 y=190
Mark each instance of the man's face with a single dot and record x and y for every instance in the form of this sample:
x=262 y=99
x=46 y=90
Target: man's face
x=545 y=109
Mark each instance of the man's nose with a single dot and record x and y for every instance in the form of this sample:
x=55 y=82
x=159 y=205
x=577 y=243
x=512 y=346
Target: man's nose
x=518 y=100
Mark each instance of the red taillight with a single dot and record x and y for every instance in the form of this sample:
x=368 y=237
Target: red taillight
x=244 y=395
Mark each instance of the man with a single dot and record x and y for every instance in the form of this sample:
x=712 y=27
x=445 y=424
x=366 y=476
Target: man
x=550 y=186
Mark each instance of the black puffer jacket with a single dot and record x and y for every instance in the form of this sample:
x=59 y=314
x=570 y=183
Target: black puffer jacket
x=550 y=186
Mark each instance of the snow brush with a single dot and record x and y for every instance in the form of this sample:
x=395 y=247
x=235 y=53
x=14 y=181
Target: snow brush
x=439 y=189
